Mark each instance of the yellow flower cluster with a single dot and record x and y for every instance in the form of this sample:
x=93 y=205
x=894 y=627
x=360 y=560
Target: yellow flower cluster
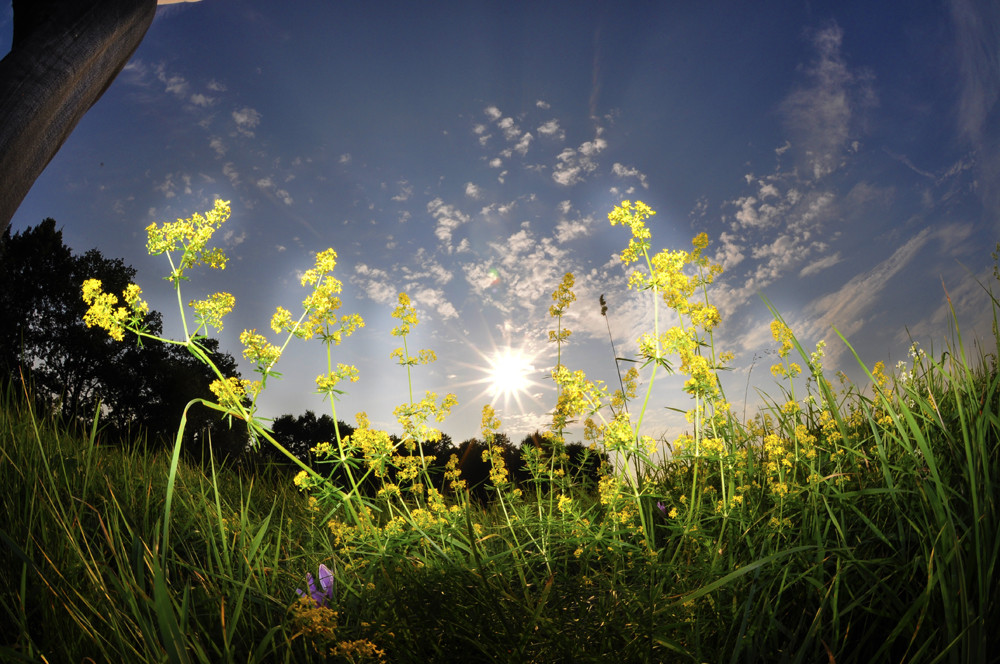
x=563 y=296
x=327 y=383
x=282 y=321
x=406 y=314
x=578 y=396
x=413 y=417
x=191 y=236
x=326 y=261
x=493 y=454
x=210 y=311
x=231 y=392
x=321 y=305
x=784 y=336
x=318 y=625
x=634 y=217
x=258 y=350
x=104 y=313
x=376 y=446
x=453 y=474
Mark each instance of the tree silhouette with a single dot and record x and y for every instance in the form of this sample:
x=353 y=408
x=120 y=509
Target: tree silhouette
x=78 y=371
x=300 y=434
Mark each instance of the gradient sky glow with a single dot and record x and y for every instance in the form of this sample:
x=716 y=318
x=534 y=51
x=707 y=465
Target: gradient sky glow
x=844 y=158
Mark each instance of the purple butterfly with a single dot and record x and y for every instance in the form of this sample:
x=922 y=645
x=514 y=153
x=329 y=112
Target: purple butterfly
x=324 y=594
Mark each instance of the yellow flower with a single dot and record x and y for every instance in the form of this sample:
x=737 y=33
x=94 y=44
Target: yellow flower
x=104 y=313
x=783 y=335
x=281 y=320
x=231 y=392
x=258 y=350
x=190 y=235
x=325 y=262
x=406 y=314
x=325 y=383
x=211 y=310
x=563 y=296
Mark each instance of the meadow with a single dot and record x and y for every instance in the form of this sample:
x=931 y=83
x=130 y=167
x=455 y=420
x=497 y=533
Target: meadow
x=840 y=523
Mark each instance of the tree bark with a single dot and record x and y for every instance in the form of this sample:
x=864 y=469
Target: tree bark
x=64 y=55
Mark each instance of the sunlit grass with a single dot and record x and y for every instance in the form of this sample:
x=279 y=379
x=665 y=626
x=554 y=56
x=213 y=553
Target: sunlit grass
x=839 y=524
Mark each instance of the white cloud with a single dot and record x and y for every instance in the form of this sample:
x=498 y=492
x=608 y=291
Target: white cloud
x=820 y=265
x=173 y=183
x=472 y=191
x=199 y=99
x=846 y=308
x=434 y=299
x=572 y=165
x=567 y=230
x=517 y=244
x=820 y=115
x=229 y=170
x=730 y=254
x=510 y=130
x=217 y=145
x=493 y=113
x=405 y=191
x=625 y=172
x=552 y=129
x=344 y=158
x=544 y=105
x=246 y=120
x=975 y=27
x=523 y=144
x=174 y=84
x=375 y=283
x=429 y=269
x=567 y=170
x=448 y=219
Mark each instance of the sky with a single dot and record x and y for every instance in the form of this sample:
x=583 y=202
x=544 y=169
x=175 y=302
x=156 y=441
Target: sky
x=843 y=158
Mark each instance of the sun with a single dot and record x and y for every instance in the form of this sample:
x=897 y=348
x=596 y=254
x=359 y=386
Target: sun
x=506 y=373
x=509 y=373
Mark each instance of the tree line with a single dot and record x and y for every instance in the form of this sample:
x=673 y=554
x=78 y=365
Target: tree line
x=138 y=392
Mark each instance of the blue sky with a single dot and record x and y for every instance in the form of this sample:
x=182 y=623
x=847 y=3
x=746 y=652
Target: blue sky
x=842 y=156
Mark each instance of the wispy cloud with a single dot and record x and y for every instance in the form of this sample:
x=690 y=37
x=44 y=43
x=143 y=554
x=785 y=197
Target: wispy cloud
x=448 y=218
x=375 y=283
x=405 y=191
x=819 y=265
x=848 y=306
x=819 y=115
x=246 y=120
x=174 y=183
x=573 y=165
x=622 y=171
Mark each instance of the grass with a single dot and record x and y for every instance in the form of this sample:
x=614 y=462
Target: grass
x=887 y=551
x=842 y=525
